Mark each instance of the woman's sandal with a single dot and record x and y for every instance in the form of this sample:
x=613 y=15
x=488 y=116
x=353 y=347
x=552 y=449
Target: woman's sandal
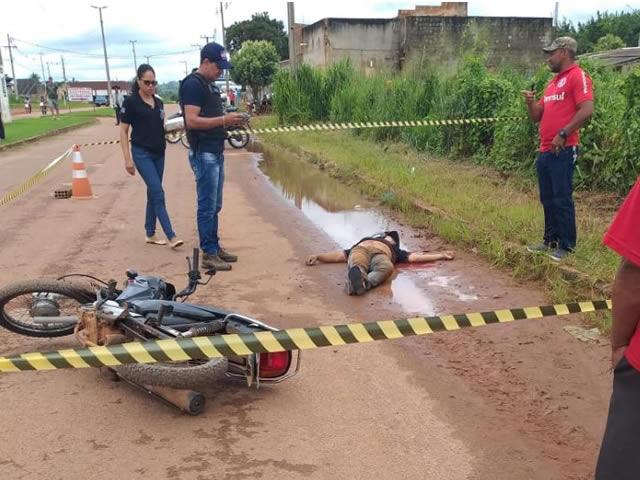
x=155 y=240
x=175 y=242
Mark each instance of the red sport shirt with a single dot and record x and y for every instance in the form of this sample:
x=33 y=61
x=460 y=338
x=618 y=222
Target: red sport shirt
x=623 y=236
x=561 y=98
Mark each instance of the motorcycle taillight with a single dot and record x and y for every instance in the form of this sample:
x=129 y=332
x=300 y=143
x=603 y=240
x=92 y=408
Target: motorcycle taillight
x=273 y=365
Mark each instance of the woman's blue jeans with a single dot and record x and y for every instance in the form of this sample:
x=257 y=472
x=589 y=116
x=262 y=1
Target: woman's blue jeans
x=150 y=165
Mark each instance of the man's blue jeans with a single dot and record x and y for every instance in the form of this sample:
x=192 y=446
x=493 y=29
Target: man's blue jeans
x=555 y=180
x=208 y=169
x=150 y=165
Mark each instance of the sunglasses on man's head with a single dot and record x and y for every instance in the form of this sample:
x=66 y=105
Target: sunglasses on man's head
x=150 y=82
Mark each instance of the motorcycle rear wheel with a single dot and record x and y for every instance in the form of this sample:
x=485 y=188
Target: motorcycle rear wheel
x=181 y=375
x=19 y=303
x=238 y=138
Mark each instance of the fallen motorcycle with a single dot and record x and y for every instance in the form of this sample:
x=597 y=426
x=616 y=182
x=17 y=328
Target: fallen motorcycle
x=146 y=308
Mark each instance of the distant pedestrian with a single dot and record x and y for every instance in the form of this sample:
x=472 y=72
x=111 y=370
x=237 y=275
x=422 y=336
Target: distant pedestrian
x=118 y=100
x=52 y=96
x=232 y=97
x=619 y=458
x=566 y=105
x=144 y=113
x=1 y=128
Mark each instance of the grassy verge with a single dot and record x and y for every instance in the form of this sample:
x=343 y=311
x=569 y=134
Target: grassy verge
x=468 y=205
x=36 y=127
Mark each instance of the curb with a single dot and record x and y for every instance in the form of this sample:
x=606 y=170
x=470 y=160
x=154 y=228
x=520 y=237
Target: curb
x=51 y=133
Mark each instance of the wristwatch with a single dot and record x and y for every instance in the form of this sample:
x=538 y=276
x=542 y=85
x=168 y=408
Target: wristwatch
x=563 y=134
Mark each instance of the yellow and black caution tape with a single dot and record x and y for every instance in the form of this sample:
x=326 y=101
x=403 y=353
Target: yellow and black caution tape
x=32 y=180
x=394 y=123
x=94 y=144
x=183 y=349
x=316 y=127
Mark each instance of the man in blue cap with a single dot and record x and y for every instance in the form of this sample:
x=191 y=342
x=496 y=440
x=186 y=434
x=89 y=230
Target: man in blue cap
x=206 y=123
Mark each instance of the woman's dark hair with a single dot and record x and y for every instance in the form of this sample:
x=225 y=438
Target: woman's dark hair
x=142 y=69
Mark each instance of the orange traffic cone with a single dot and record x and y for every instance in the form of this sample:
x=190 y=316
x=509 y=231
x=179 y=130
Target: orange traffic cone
x=80 y=186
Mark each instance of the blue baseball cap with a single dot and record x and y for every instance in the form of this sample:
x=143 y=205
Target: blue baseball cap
x=215 y=53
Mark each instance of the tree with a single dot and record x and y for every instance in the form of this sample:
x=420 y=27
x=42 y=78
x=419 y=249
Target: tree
x=35 y=77
x=625 y=25
x=260 y=27
x=609 y=42
x=255 y=65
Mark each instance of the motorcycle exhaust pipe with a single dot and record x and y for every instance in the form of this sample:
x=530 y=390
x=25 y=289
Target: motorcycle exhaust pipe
x=69 y=320
x=189 y=401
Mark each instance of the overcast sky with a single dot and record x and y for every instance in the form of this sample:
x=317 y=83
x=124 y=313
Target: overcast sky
x=72 y=28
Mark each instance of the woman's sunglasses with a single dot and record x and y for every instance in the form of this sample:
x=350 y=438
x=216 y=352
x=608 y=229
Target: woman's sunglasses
x=150 y=82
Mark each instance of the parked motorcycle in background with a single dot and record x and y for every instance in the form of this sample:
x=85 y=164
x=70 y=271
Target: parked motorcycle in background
x=237 y=137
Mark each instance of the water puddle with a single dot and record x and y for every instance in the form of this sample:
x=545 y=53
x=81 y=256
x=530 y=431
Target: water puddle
x=346 y=217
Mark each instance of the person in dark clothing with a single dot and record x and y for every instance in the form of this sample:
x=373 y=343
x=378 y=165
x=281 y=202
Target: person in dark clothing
x=205 y=124
x=1 y=128
x=371 y=260
x=144 y=112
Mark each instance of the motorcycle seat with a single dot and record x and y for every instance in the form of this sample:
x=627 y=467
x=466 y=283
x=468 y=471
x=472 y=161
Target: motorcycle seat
x=183 y=313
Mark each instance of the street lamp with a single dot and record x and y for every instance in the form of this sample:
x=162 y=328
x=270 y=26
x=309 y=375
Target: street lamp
x=104 y=46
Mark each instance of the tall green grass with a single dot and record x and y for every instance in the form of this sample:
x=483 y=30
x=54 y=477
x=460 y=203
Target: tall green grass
x=611 y=142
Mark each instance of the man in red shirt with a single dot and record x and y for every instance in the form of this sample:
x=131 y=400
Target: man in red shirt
x=566 y=105
x=619 y=457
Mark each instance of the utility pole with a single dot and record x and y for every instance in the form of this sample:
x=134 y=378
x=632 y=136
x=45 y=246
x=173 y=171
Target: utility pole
x=135 y=60
x=185 y=67
x=226 y=72
x=43 y=77
x=292 y=47
x=147 y=57
x=555 y=15
x=13 y=71
x=64 y=71
x=205 y=38
x=5 y=109
x=49 y=69
x=106 y=59
x=66 y=88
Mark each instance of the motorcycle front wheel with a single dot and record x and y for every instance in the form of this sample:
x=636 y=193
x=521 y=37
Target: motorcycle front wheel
x=25 y=307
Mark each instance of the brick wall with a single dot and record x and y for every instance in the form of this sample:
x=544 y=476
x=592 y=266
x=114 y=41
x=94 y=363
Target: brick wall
x=510 y=40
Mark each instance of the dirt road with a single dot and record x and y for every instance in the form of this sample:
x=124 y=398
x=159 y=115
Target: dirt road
x=521 y=401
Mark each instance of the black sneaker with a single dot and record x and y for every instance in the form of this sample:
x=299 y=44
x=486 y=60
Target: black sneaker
x=226 y=256
x=356 y=284
x=214 y=262
x=559 y=254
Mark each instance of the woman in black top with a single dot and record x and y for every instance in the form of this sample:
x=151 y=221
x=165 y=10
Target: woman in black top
x=145 y=113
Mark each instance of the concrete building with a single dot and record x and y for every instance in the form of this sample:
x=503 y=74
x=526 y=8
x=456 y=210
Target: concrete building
x=437 y=34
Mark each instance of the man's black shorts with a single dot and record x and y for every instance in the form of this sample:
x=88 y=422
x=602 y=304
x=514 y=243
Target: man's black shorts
x=619 y=455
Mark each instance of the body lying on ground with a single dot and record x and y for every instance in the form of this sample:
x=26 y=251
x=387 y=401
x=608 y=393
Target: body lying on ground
x=371 y=261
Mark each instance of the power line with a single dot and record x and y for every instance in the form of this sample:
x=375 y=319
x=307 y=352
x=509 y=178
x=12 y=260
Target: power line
x=93 y=55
